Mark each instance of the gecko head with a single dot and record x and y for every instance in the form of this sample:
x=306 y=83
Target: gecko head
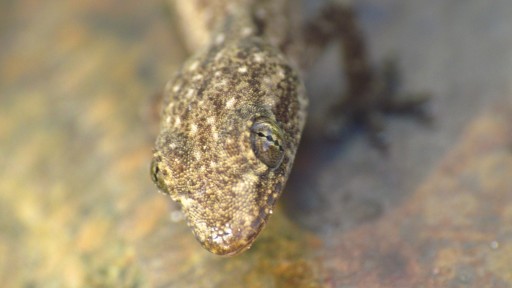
x=227 y=143
x=227 y=187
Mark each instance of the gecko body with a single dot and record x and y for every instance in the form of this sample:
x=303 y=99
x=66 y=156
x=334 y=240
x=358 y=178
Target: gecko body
x=234 y=113
x=232 y=121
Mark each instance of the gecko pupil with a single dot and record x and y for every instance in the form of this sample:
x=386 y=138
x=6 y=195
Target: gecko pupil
x=267 y=142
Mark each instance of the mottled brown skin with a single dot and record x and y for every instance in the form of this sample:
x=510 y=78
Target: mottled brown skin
x=233 y=115
x=208 y=156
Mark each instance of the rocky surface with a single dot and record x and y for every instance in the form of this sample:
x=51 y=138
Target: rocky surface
x=78 y=209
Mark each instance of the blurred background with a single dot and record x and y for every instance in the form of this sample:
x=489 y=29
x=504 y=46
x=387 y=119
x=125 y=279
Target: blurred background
x=78 y=209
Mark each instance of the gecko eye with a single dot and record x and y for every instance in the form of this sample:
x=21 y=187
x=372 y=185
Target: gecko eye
x=268 y=142
x=156 y=176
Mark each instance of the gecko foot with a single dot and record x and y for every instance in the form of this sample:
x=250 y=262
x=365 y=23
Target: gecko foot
x=367 y=107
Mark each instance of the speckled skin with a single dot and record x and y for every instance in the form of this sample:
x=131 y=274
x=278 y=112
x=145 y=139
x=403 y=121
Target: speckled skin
x=204 y=157
x=234 y=114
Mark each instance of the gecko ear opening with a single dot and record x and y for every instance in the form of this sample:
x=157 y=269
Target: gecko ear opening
x=267 y=141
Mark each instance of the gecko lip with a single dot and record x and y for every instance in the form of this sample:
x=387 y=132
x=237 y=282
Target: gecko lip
x=229 y=245
x=233 y=239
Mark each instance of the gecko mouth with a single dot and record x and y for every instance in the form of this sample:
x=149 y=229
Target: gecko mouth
x=232 y=239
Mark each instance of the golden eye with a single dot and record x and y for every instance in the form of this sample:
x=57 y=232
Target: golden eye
x=157 y=176
x=267 y=142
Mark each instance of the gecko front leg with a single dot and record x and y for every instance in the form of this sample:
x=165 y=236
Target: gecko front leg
x=370 y=93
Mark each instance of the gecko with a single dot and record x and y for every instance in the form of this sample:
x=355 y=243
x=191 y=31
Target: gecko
x=233 y=115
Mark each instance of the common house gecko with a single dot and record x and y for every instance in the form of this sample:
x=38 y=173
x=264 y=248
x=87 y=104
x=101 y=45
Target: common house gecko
x=233 y=115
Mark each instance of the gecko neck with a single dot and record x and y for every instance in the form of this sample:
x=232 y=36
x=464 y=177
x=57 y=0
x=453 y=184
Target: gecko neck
x=239 y=23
